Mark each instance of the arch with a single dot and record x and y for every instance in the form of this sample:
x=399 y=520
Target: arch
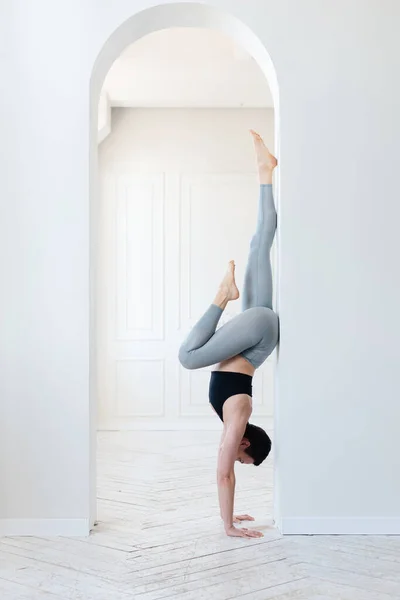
x=180 y=14
x=165 y=16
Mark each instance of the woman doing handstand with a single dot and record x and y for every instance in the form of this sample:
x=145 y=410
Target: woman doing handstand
x=238 y=348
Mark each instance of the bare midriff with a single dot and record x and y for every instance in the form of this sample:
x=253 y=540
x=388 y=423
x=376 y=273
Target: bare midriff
x=237 y=364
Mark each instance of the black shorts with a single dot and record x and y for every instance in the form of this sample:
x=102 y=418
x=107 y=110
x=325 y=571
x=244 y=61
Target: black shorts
x=224 y=384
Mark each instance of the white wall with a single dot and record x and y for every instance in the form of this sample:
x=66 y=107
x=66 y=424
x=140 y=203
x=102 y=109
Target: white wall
x=103 y=117
x=337 y=427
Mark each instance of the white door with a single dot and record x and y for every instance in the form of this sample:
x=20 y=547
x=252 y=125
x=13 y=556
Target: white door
x=179 y=199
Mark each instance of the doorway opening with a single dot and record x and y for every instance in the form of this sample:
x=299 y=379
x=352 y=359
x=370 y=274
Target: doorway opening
x=174 y=197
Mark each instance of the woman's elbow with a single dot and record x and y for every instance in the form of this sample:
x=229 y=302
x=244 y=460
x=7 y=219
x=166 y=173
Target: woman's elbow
x=225 y=477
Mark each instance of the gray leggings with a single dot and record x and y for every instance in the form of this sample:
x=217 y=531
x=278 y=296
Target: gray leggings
x=254 y=333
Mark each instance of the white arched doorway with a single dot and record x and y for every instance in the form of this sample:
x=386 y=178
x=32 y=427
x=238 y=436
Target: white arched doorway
x=140 y=25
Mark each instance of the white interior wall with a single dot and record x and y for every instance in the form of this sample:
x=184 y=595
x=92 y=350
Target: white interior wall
x=338 y=409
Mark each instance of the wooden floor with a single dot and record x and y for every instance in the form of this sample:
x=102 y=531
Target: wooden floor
x=160 y=536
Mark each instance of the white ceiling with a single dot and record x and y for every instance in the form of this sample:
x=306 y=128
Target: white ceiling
x=186 y=67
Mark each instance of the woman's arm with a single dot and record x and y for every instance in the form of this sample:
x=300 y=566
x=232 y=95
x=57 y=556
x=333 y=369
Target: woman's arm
x=236 y=415
x=225 y=472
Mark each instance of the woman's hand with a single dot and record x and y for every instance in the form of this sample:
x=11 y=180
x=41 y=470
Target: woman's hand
x=247 y=533
x=240 y=518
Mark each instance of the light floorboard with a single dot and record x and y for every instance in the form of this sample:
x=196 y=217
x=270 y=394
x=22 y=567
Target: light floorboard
x=159 y=537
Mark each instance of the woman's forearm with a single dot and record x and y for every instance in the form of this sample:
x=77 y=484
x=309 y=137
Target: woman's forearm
x=226 y=494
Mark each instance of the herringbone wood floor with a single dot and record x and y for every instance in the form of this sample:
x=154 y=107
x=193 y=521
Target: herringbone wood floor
x=159 y=536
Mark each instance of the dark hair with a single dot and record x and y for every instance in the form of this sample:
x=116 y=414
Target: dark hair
x=260 y=443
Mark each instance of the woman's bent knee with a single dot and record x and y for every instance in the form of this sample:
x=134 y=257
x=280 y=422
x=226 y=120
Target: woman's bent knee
x=186 y=359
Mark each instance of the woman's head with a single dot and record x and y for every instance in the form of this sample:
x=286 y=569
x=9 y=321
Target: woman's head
x=255 y=445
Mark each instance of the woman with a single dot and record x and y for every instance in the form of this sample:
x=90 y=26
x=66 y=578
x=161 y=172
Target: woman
x=239 y=348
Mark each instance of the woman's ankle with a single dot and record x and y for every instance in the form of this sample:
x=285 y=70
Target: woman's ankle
x=221 y=299
x=265 y=176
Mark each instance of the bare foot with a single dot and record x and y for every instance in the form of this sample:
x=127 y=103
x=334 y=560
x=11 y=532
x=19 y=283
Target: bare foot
x=228 y=284
x=266 y=162
x=228 y=289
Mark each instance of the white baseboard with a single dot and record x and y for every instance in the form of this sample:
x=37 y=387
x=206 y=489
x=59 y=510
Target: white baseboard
x=339 y=526
x=45 y=527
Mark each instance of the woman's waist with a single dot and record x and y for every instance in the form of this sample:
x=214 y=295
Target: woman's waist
x=231 y=383
x=237 y=364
